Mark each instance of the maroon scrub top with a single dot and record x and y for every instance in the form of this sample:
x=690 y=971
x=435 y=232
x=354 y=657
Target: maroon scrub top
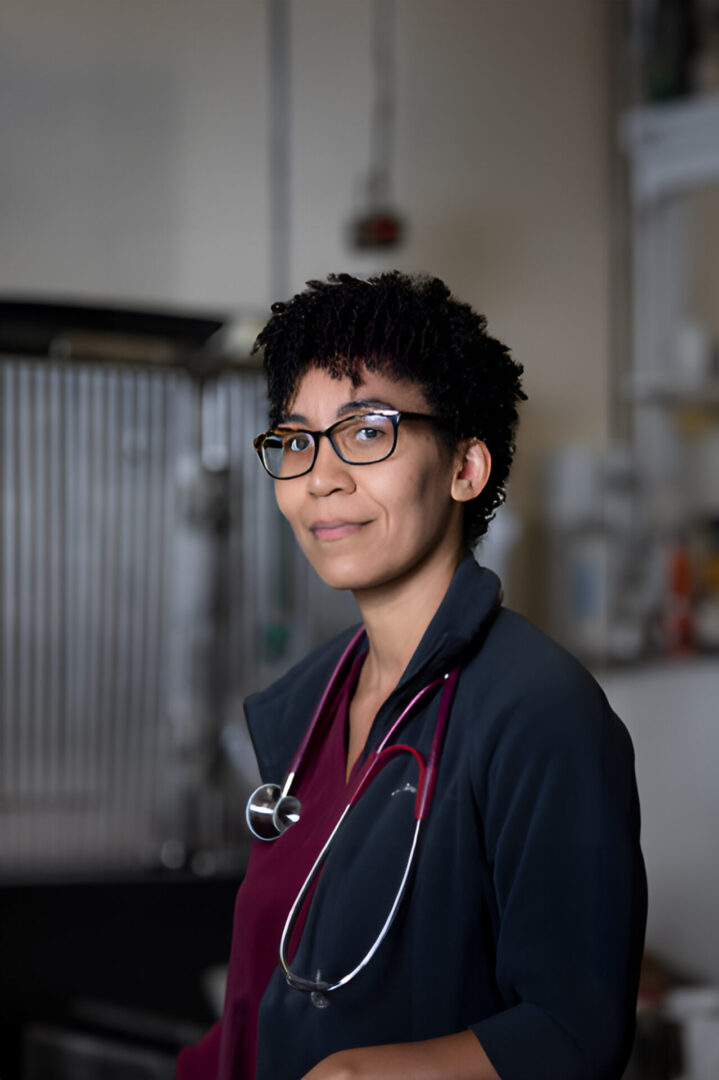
x=275 y=874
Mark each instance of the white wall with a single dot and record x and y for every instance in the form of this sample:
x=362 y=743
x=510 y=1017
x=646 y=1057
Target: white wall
x=135 y=167
x=671 y=713
x=704 y=258
x=132 y=140
x=502 y=169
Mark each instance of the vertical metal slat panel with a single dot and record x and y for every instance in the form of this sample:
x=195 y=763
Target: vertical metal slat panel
x=109 y=705
x=86 y=456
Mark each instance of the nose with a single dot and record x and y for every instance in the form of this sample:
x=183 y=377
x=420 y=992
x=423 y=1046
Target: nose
x=330 y=473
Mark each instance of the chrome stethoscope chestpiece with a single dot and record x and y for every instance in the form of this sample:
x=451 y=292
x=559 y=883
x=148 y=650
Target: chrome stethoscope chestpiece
x=270 y=808
x=269 y=813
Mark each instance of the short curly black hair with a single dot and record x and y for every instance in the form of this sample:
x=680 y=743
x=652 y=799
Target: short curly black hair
x=410 y=327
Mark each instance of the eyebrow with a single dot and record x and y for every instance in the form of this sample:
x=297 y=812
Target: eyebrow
x=348 y=407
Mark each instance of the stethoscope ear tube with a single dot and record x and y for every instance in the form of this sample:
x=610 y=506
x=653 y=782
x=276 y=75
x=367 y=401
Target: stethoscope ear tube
x=445 y=704
x=315 y=985
x=324 y=709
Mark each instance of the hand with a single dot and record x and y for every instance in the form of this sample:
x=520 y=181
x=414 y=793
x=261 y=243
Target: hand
x=335 y=1067
x=460 y=1056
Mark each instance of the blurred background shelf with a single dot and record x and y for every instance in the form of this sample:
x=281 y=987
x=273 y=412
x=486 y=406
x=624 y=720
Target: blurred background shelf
x=672 y=394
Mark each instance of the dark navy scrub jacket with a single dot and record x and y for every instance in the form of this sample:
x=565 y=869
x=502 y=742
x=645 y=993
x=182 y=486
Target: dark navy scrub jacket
x=525 y=913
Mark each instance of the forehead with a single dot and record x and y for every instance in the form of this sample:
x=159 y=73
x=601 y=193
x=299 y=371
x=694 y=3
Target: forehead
x=318 y=396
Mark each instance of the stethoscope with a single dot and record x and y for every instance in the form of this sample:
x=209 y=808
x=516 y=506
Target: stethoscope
x=271 y=809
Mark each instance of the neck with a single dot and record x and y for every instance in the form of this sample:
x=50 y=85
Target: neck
x=396 y=616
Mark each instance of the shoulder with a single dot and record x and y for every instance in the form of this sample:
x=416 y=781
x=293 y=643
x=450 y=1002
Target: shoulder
x=547 y=753
x=535 y=695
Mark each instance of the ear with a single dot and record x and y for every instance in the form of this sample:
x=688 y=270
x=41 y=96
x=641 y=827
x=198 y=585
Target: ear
x=474 y=464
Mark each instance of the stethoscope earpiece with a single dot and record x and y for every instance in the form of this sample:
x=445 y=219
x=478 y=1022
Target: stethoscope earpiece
x=269 y=813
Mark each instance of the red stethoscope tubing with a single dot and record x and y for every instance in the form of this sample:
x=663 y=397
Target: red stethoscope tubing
x=427 y=771
x=383 y=754
x=425 y=790
x=322 y=712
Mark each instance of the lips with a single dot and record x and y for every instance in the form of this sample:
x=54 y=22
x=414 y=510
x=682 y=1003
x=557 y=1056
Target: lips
x=335 y=530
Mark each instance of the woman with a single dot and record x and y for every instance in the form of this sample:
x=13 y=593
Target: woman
x=515 y=945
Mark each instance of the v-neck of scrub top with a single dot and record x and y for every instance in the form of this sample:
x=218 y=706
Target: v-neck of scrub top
x=274 y=877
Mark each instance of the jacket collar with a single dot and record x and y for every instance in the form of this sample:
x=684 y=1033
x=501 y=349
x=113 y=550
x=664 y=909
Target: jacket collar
x=278 y=716
x=473 y=596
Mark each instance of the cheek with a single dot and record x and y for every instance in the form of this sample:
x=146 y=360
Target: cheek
x=287 y=499
x=418 y=497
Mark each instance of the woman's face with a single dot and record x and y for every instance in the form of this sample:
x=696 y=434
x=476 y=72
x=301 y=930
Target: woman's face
x=364 y=526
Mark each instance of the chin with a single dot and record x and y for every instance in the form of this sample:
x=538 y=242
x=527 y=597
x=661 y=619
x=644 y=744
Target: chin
x=358 y=574
x=351 y=579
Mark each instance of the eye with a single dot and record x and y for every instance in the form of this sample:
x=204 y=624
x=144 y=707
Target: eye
x=363 y=439
x=368 y=432
x=370 y=428
x=298 y=443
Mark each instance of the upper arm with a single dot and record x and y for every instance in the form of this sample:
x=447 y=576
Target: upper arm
x=561 y=820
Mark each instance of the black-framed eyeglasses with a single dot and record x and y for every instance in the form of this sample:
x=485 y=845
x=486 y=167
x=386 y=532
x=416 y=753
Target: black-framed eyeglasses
x=361 y=439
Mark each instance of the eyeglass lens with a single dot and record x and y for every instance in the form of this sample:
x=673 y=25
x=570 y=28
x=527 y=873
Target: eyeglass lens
x=360 y=440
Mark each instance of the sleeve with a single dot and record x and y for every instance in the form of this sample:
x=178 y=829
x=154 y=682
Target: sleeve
x=561 y=821
x=201 y=1061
